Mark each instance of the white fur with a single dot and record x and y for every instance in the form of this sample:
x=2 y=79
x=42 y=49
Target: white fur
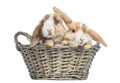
x=80 y=35
x=48 y=25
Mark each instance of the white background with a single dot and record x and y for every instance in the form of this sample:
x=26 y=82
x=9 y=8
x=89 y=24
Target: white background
x=103 y=16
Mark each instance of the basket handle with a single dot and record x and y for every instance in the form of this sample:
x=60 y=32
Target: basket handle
x=18 y=44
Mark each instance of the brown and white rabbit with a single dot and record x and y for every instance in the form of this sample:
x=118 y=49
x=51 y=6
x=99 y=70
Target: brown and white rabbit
x=78 y=33
x=50 y=30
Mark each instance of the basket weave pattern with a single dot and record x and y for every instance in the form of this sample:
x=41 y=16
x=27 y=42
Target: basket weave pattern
x=56 y=62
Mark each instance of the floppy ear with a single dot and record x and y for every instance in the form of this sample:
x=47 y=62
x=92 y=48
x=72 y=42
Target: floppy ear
x=96 y=37
x=36 y=36
x=64 y=16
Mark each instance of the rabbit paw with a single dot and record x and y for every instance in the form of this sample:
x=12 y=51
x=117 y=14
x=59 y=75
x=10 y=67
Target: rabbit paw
x=75 y=45
x=87 y=46
x=49 y=43
x=64 y=42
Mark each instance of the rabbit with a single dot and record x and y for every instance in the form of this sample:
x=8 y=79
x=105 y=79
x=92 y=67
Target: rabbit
x=78 y=33
x=50 y=30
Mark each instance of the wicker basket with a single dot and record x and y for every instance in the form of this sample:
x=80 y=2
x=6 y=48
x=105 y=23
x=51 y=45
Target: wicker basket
x=56 y=62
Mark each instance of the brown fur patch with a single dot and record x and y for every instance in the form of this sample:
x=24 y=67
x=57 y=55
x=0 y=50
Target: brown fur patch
x=96 y=37
x=46 y=17
x=84 y=28
x=64 y=16
x=36 y=35
x=67 y=19
x=57 y=19
x=75 y=26
x=58 y=24
x=55 y=22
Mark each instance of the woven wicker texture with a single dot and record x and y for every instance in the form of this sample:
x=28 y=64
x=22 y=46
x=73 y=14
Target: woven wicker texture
x=56 y=63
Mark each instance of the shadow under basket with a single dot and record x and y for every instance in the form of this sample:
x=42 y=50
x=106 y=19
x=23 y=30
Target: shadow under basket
x=56 y=63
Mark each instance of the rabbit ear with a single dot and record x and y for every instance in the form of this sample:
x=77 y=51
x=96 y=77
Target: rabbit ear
x=64 y=16
x=96 y=36
x=36 y=36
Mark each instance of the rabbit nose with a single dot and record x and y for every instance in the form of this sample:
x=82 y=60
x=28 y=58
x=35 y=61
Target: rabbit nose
x=81 y=39
x=49 y=32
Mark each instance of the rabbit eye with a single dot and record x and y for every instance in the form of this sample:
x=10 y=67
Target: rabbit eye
x=57 y=21
x=73 y=30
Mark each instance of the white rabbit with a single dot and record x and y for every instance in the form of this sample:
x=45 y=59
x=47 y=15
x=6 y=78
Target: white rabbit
x=78 y=34
x=50 y=29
